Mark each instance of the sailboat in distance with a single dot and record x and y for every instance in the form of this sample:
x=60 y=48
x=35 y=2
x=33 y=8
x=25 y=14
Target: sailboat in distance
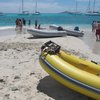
x=92 y=12
x=76 y=12
x=23 y=12
x=35 y=9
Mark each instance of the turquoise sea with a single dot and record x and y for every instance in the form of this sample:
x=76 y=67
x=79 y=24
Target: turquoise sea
x=51 y=18
x=7 y=20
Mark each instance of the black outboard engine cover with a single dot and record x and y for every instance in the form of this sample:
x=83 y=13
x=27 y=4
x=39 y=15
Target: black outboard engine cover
x=50 y=47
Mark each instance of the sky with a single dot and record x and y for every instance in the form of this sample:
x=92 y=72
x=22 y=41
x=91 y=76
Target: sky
x=47 y=6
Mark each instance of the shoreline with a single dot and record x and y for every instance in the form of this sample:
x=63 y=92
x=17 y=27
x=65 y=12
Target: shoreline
x=89 y=37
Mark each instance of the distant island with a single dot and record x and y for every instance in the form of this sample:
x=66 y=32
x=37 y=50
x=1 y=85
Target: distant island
x=65 y=12
x=1 y=13
x=70 y=12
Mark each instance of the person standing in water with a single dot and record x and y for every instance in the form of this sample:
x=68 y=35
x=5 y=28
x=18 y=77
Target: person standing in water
x=24 y=22
x=17 y=23
x=20 y=24
x=29 y=22
x=36 y=23
x=97 y=33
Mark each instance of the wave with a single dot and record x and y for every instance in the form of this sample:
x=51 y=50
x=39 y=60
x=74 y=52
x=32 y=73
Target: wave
x=6 y=27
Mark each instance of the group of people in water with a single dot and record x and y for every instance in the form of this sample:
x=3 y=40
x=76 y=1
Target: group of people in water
x=96 y=29
x=20 y=23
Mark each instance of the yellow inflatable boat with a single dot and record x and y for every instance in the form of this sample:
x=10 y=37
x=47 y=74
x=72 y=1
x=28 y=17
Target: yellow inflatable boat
x=76 y=73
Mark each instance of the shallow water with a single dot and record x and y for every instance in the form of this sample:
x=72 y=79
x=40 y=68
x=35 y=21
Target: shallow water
x=49 y=18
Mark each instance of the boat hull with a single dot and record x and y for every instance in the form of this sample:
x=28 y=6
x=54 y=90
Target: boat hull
x=46 y=33
x=66 y=82
x=69 y=32
x=68 y=74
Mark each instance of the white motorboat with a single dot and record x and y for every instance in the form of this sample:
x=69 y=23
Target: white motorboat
x=69 y=32
x=46 y=33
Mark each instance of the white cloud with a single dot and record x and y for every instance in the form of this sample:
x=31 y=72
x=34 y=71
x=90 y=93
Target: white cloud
x=50 y=6
x=42 y=7
x=83 y=0
x=9 y=7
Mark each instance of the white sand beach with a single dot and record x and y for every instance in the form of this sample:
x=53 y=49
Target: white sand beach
x=22 y=77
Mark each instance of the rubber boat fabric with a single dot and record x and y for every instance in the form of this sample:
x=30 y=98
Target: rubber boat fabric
x=69 y=32
x=76 y=73
x=46 y=33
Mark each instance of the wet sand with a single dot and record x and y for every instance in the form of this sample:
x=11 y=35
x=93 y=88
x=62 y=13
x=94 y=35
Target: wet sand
x=7 y=32
x=90 y=39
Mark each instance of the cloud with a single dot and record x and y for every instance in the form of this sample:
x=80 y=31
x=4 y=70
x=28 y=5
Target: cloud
x=42 y=7
x=50 y=0
x=50 y=7
x=88 y=1
x=83 y=0
x=9 y=7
